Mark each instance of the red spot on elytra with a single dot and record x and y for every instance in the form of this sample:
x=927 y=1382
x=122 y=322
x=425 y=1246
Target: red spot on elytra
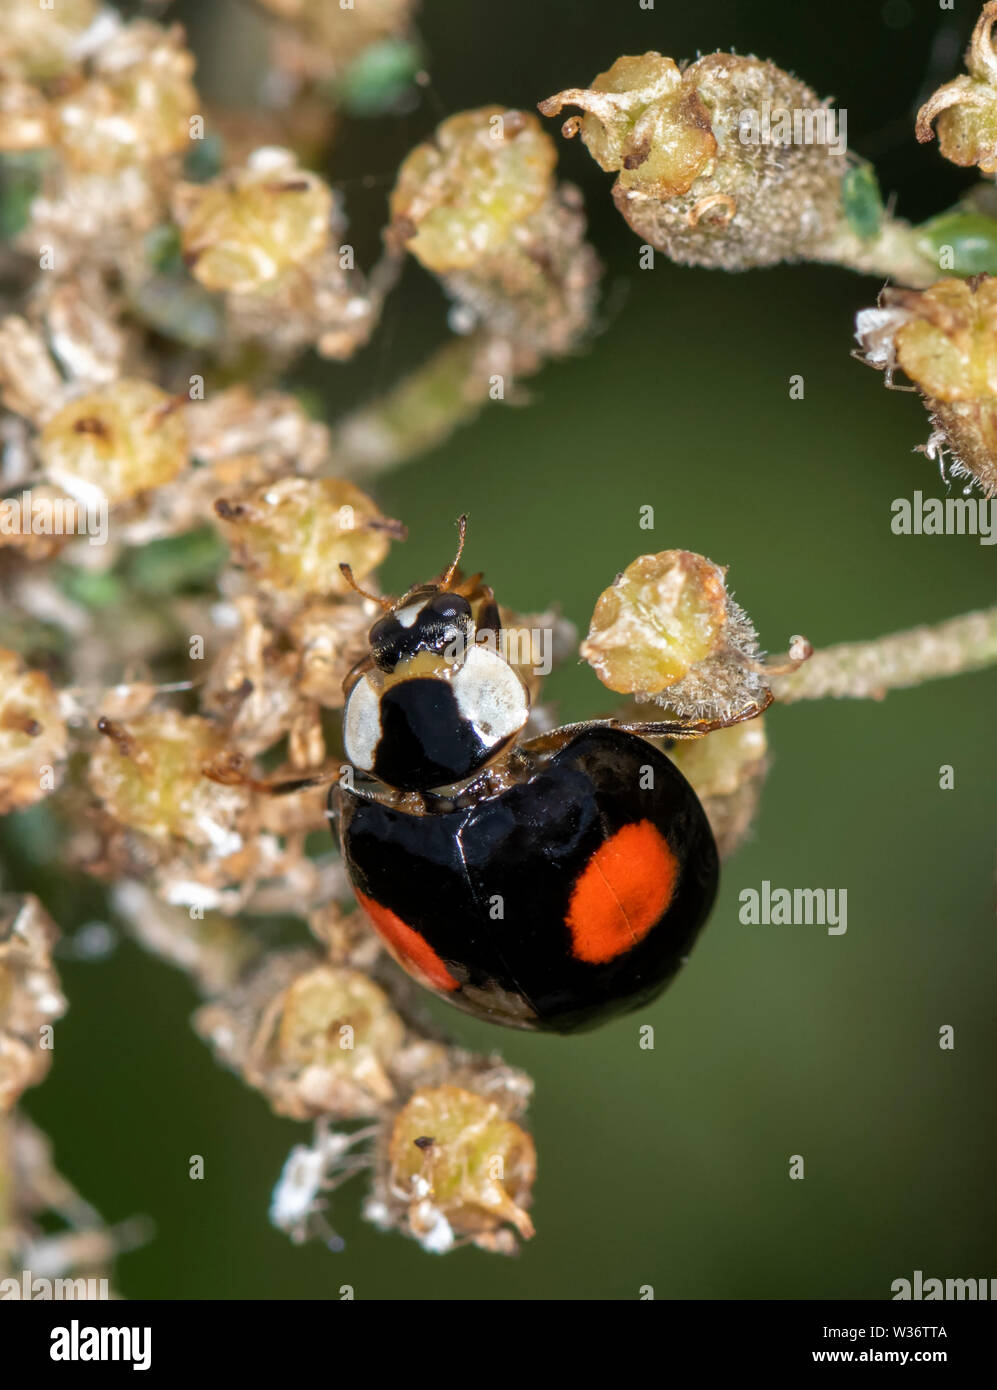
x=624 y=889
x=414 y=951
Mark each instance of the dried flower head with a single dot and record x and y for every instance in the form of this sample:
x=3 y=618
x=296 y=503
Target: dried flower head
x=30 y=997
x=458 y=197
x=479 y=206
x=252 y=688
x=694 y=178
x=667 y=630
x=294 y=534
x=246 y=228
x=317 y=1039
x=33 y=735
x=115 y=443
x=945 y=339
x=149 y=775
x=40 y=42
x=963 y=113
x=458 y=1168
x=268 y=234
x=329 y=638
x=133 y=107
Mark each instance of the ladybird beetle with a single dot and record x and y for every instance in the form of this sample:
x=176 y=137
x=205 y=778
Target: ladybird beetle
x=544 y=882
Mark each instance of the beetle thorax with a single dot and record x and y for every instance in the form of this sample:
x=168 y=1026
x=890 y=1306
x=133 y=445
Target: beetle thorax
x=433 y=706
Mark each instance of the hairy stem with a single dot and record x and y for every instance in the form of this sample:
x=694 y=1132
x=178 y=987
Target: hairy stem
x=422 y=411
x=868 y=670
x=894 y=253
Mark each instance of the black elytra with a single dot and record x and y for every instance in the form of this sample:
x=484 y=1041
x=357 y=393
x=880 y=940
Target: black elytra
x=573 y=894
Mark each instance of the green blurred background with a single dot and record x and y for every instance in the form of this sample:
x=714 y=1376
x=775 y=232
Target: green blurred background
x=670 y=1167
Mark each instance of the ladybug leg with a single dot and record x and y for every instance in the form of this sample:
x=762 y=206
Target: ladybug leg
x=676 y=728
x=694 y=728
x=232 y=770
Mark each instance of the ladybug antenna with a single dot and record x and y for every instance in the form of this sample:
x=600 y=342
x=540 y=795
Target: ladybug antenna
x=449 y=573
x=347 y=572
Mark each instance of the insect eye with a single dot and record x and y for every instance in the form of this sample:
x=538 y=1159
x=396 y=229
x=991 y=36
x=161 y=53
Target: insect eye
x=449 y=606
x=382 y=632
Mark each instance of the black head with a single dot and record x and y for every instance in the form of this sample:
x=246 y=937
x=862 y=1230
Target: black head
x=440 y=622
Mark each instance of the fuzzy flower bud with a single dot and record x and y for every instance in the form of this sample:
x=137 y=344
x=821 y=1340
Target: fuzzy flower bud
x=667 y=630
x=945 y=339
x=963 y=113
x=700 y=175
x=294 y=534
x=115 y=442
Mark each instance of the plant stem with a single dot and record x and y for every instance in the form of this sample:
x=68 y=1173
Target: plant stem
x=895 y=253
x=422 y=411
x=868 y=670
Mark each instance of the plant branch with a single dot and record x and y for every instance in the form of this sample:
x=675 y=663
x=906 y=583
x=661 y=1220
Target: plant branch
x=422 y=411
x=868 y=670
x=895 y=253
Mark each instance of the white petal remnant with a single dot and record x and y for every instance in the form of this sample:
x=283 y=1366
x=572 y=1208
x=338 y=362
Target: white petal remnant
x=299 y=1201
